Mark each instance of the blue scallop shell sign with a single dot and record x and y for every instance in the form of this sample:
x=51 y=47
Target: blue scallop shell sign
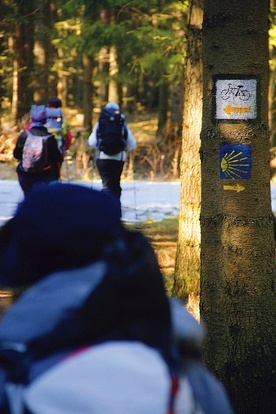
x=235 y=162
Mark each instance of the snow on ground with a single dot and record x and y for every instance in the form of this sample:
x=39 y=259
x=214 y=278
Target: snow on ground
x=141 y=200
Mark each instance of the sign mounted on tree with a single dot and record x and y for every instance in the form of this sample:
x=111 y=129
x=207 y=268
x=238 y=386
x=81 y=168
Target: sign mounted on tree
x=235 y=99
x=235 y=162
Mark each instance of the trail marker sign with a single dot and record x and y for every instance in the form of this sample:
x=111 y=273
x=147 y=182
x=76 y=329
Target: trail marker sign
x=235 y=99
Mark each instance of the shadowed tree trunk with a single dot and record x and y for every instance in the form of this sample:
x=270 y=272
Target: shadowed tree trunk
x=41 y=51
x=237 y=243
x=163 y=106
x=21 y=47
x=272 y=84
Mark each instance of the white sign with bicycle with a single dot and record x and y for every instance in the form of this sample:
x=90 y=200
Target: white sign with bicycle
x=236 y=99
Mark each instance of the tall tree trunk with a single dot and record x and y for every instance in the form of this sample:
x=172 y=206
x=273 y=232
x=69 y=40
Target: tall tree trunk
x=88 y=63
x=15 y=89
x=187 y=266
x=176 y=112
x=237 y=243
x=104 y=73
x=61 y=79
x=113 y=93
x=22 y=47
x=272 y=88
x=41 y=52
x=130 y=101
x=163 y=107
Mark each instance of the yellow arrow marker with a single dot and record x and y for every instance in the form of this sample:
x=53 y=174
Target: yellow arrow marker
x=238 y=188
x=229 y=109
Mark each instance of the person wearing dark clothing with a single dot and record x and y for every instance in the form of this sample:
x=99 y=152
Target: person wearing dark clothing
x=51 y=171
x=93 y=330
x=110 y=167
x=66 y=134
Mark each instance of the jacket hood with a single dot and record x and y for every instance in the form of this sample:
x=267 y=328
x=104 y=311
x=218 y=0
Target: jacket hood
x=59 y=227
x=120 y=297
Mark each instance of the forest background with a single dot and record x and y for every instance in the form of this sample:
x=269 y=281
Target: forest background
x=92 y=52
x=75 y=50
x=146 y=55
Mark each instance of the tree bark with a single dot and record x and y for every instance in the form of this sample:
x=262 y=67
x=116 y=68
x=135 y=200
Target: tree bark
x=187 y=265
x=41 y=52
x=163 y=107
x=113 y=93
x=237 y=243
x=22 y=47
x=88 y=63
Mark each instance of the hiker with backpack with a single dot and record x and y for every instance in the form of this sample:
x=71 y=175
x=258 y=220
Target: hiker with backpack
x=93 y=330
x=112 y=138
x=37 y=152
x=58 y=124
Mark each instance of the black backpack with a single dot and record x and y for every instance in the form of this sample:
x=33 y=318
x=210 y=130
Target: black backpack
x=111 y=132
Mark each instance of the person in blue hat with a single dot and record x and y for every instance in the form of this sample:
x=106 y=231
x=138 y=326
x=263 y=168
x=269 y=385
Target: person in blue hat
x=37 y=152
x=93 y=330
x=112 y=137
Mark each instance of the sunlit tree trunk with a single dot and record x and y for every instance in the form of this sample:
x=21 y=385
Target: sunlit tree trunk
x=187 y=266
x=14 y=103
x=113 y=93
x=61 y=79
x=88 y=63
x=237 y=243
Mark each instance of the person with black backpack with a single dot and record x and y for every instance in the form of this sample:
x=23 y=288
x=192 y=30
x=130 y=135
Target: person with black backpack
x=37 y=152
x=112 y=138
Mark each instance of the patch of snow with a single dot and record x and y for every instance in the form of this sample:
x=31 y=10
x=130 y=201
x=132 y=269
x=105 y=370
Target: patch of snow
x=141 y=200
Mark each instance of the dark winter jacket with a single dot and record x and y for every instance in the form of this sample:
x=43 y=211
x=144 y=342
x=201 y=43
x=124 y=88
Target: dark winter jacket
x=98 y=340
x=51 y=171
x=120 y=298
x=96 y=332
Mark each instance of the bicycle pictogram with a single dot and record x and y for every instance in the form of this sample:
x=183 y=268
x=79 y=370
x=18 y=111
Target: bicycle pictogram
x=236 y=92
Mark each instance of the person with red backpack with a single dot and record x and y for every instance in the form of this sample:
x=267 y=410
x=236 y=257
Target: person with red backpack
x=112 y=137
x=37 y=152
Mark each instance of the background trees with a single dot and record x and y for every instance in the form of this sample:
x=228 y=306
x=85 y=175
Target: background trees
x=93 y=51
x=89 y=52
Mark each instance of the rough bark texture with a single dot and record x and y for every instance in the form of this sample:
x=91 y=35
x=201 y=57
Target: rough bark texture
x=88 y=64
x=188 y=247
x=22 y=45
x=41 y=52
x=238 y=248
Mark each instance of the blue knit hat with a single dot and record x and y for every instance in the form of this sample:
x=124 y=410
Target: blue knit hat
x=38 y=114
x=58 y=227
x=113 y=105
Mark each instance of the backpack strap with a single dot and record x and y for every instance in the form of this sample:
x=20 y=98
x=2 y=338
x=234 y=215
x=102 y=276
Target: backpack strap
x=173 y=393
